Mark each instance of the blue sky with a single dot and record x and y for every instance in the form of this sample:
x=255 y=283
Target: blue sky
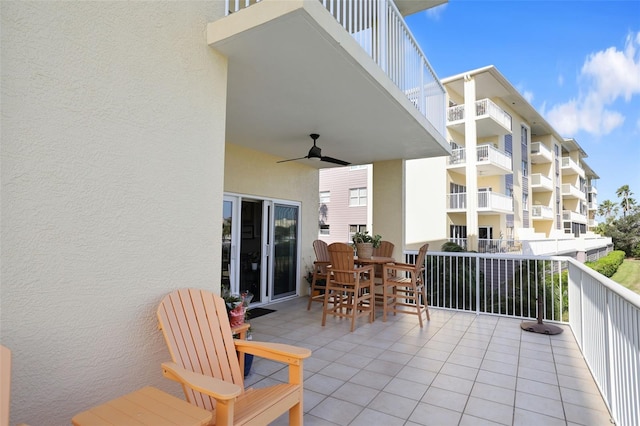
x=576 y=62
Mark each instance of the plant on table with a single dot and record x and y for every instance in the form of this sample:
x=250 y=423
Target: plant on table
x=364 y=237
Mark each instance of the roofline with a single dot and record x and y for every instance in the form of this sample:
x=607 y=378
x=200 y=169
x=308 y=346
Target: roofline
x=491 y=69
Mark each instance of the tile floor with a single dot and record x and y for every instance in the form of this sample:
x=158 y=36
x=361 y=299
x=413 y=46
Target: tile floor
x=460 y=369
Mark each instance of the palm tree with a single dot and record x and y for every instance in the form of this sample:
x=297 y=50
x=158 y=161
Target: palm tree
x=627 y=202
x=608 y=209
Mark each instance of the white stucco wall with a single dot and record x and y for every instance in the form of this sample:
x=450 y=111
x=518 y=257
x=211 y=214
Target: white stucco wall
x=112 y=176
x=426 y=199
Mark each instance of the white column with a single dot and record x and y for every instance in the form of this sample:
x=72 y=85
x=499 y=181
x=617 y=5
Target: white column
x=471 y=143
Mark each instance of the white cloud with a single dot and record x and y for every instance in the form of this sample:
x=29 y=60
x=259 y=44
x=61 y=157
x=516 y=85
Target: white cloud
x=528 y=95
x=560 y=80
x=436 y=12
x=605 y=77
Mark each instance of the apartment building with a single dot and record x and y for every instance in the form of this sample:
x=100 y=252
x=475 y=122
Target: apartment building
x=512 y=184
x=345 y=202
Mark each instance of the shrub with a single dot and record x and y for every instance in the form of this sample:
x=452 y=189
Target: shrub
x=609 y=264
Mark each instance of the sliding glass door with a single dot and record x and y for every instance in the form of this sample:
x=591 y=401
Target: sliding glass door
x=260 y=247
x=285 y=250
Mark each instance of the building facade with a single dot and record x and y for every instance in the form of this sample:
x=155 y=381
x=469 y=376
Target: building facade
x=141 y=153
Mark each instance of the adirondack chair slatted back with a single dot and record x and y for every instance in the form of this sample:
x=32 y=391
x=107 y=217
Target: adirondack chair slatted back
x=420 y=262
x=384 y=250
x=342 y=260
x=196 y=329
x=322 y=253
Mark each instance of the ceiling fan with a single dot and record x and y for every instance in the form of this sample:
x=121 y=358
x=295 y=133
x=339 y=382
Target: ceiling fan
x=315 y=153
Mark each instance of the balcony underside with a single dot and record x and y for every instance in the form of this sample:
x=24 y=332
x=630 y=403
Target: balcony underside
x=485 y=127
x=484 y=169
x=540 y=158
x=541 y=188
x=294 y=70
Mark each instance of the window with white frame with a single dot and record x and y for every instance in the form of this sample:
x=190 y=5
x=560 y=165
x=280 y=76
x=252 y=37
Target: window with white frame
x=357 y=197
x=325 y=197
x=324 y=229
x=525 y=202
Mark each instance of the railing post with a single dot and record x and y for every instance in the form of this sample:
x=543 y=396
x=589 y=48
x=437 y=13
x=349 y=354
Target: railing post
x=613 y=399
x=477 y=285
x=382 y=35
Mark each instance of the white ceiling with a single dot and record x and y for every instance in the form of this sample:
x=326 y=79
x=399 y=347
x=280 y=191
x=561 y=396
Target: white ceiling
x=298 y=72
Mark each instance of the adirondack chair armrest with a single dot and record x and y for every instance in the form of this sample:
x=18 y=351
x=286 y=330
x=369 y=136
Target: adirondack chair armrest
x=211 y=386
x=280 y=352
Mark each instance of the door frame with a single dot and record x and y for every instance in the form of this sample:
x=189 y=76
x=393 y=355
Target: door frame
x=266 y=258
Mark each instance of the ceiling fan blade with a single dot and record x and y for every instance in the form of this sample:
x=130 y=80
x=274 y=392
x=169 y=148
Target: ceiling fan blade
x=334 y=161
x=292 y=159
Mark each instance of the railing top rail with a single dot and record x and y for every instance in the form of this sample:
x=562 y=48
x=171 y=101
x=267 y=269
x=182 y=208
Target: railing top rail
x=623 y=292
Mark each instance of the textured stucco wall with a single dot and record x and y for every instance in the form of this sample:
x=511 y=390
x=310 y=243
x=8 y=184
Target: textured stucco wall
x=112 y=176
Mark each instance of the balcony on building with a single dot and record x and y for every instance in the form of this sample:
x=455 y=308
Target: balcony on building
x=491 y=120
x=541 y=213
x=541 y=183
x=490 y=202
x=570 y=167
x=540 y=153
x=571 y=216
x=592 y=189
x=571 y=191
x=350 y=71
x=490 y=161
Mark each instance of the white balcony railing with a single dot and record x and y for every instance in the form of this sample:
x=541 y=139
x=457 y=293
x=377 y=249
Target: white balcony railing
x=491 y=154
x=542 y=212
x=457 y=201
x=493 y=201
x=538 y=149
x=571 y=216
x=592 y=189
x=602 y=315
x=569 y=165
x=382 y=32
x=569 y=190
x=539 y=180
x=484 y=108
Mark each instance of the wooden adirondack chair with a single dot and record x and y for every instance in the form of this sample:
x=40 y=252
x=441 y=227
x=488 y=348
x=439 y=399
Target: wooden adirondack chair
x=196 y=329
x=403 y=288
x=319 y=273
x=350 y=287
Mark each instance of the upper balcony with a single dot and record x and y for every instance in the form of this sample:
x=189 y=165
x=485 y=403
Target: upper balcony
x=491 y=120
x=489 y=202
x=541 y=183
x=592 y=189
x=571 y=216
x=570 y=167
x=350 y=71
x=541 y=213
x=540 y=153
x=571 y=191
x=490 y=161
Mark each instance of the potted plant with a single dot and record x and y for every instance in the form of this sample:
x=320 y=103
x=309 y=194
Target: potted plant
x=365 y=243
x=237 y=309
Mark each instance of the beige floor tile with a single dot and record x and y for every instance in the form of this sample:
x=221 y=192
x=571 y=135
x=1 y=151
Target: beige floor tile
x=489 y=410
x=445 y=399
x=394 y=405
x=427 y=414
x=336 y=411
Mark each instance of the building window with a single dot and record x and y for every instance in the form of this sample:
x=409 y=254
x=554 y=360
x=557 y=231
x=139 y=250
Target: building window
x=325 y=197
x=525 y=202
x=525 y=168
x=356 y=228
x=358 y=197
x=324 y=229
x=358 y=167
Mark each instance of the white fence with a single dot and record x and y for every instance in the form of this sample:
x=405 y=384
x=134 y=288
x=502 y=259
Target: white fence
x=604 y=316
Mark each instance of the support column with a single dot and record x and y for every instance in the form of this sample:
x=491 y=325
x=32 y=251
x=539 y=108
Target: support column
x=388 y=203
x=471 y=143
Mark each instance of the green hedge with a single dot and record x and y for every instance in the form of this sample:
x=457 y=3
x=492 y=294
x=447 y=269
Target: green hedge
x=609 y=264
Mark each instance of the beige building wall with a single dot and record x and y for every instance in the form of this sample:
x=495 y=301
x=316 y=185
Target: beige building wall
x=113 y=124
x=254 y=173
x=388 y=202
